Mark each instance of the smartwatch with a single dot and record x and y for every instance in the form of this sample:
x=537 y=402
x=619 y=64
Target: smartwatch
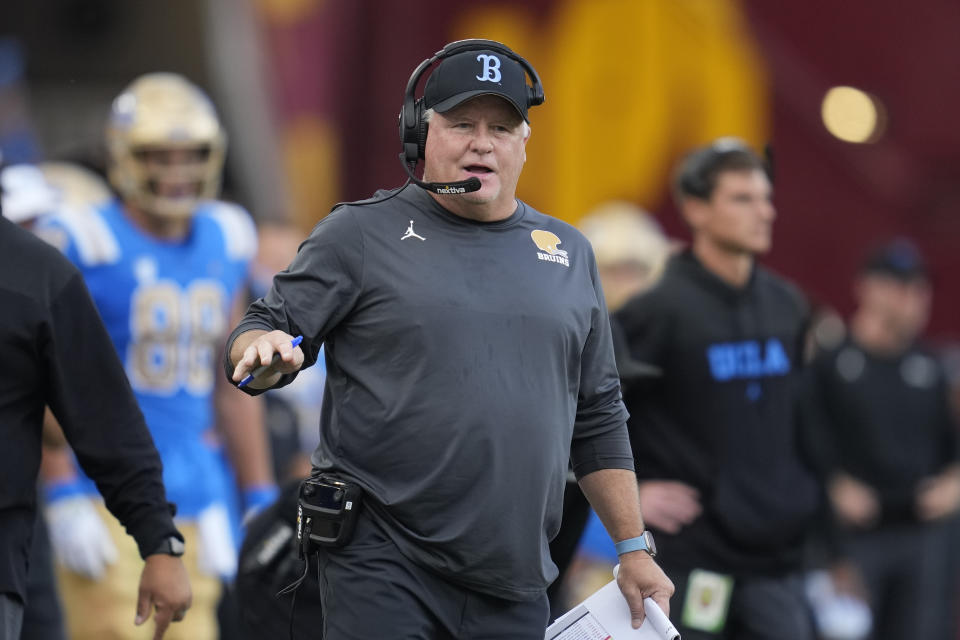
x=643 y=542
x=171 y=546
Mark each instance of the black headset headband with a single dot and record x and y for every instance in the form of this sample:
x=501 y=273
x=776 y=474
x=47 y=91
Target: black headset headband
x=693 y=179
x=412 y=127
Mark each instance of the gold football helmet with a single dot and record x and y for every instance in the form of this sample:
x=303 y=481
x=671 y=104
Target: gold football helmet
x=163 y=113
x=629 y=246
x=77 y=186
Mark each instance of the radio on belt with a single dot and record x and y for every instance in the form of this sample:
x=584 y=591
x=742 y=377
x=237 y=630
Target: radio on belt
x=327 y=512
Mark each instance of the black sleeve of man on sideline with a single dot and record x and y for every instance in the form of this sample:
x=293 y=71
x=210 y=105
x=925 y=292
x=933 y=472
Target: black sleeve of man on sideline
x=55 y=352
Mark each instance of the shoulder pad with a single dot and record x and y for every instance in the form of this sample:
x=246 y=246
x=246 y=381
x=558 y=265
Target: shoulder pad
x=95 y=242
x=236 y=225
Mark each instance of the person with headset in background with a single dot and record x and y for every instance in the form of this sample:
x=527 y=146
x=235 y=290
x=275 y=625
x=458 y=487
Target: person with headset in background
x=166 y=265
x=722 y=480
x=468 y=360
x=57 y=356
x=885 y=445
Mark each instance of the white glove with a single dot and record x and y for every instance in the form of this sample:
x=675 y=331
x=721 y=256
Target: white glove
x=838 y=616
x=216 y=553
x=80 y=539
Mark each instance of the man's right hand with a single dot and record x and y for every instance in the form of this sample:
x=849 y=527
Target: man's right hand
x=80 y=539
x=640 y=577
x=939 y=496
x=259 y=351
x=668 y=505
x=855 y=504
x=164 y=586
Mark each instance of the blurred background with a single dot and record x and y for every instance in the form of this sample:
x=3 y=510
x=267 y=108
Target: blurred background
x=855 y=101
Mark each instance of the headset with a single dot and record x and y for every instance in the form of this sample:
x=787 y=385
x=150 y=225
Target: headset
x=692 y=179
x=413 y=127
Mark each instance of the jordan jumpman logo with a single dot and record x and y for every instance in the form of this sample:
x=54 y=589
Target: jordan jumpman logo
x=411 y=233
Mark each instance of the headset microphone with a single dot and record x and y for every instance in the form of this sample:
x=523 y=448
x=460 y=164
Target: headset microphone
x=443 y=188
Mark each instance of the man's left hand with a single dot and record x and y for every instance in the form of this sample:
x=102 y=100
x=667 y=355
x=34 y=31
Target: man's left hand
x=164 y=586
x=939 y=496
x=640 y=577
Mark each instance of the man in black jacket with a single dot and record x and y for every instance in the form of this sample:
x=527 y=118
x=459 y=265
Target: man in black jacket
x=721 y=479
x=55 y=352
x=886 y=447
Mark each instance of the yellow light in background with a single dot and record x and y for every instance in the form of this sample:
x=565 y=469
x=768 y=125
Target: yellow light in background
x=288 y=12
x=853 y=115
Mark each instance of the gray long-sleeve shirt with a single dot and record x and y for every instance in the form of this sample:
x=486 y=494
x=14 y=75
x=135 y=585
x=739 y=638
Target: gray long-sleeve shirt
x=463 y=358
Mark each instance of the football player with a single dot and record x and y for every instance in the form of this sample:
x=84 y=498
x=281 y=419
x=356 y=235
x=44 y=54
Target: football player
x=167 y=265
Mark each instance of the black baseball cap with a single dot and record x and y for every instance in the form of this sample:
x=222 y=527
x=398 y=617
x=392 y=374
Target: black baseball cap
x=475 y=73
x=899 y=259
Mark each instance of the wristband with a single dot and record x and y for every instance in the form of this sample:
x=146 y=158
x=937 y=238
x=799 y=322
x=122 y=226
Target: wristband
x=259 y=497
x=642 y=542
x=61 y=489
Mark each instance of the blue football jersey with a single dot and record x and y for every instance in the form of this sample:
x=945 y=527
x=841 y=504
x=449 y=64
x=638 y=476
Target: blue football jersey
x=166 y=305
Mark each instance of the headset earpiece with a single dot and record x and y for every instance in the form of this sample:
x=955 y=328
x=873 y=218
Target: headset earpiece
x=413 y=131
x=533 y=97
x=411 y=118
x=422 y=127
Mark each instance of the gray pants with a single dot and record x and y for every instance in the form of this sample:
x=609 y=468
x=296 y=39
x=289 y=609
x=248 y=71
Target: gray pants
x=43 y=615
x=369 y=590
x=11 y=617
x=760 y=609
x=908 y=574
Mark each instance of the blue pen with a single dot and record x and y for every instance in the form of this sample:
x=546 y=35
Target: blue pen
x=259 y=370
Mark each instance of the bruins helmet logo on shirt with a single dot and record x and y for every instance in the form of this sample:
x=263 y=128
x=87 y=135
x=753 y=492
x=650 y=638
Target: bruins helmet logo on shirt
x=547 y=241
x=166 y=145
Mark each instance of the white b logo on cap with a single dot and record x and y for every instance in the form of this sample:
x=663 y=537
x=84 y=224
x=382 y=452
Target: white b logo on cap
x=491 y=68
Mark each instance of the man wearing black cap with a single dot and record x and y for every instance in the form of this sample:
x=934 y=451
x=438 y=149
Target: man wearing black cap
x=469 y=359
x=886 y=447
x=721 y=478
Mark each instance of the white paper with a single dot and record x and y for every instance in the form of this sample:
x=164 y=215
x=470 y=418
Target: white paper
x=659 y=620
x=606 y=616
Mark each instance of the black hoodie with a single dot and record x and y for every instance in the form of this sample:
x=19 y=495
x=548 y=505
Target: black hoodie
x=723 y=416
